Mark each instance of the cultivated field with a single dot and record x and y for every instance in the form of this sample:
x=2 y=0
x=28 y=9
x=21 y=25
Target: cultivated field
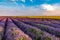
x=26 y=28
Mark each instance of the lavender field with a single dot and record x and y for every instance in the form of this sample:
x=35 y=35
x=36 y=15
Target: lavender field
x=29 y=29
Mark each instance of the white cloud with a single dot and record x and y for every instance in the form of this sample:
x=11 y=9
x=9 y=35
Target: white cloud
x=23 y=0
x=48 y=7
x=31 y=0
x=41 y=10
x=14 y=0
x=57 y=6
x=18 y=12
x=51 y=10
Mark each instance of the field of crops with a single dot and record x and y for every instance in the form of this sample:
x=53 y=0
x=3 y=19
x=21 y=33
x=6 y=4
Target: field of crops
x=29 y=29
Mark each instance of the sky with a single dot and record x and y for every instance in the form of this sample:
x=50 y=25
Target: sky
x=29 y=7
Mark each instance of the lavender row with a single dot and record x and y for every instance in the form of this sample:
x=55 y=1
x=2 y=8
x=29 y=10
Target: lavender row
x=50 y=24
x=29 y=30
x=14 y=33
x=48 y=29
x=32 y=31
x=2 y=26
x=53 y=21
x=44 y=21
x=50 y=35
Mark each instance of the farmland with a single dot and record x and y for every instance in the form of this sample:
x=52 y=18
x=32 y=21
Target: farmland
x=29 y=28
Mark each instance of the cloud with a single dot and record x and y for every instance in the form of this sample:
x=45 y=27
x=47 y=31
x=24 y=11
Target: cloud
x=48 y=7
x=51 y=10
x=13 y=0
x=57 y=6
x=31 y=0
x=39 y=10
x=51 y=6
x=52 y=13
x=23 y=0
x=18 y=12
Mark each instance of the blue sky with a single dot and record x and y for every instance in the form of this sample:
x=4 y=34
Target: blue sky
x=27 y=2
x=29 y=7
